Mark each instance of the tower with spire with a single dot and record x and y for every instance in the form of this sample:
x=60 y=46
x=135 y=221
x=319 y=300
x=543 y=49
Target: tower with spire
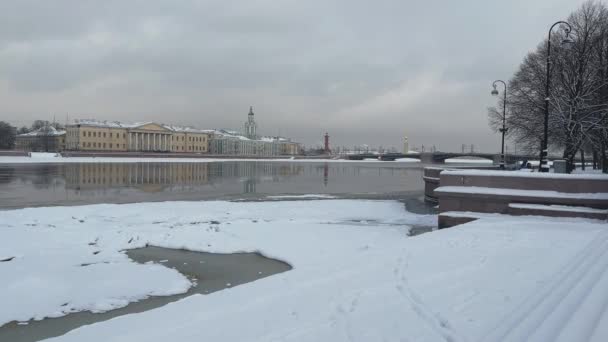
x=250 y=125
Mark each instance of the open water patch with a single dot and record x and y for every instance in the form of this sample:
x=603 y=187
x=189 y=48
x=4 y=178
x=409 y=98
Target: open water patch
x=209 y=272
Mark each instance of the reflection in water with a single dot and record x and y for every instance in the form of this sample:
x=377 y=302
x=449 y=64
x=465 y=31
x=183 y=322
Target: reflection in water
x=147 y=177
x=79 y=183
x=156 y=177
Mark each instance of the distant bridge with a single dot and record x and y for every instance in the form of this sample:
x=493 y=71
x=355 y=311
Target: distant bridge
x=440 y=157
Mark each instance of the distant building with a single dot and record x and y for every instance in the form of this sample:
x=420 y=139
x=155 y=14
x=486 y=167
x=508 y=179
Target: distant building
x=45 y=139
x=406 y=146
x=92 y=135
x=231 y=143
x=224 y=142
x=114 y=136
x=250 y=126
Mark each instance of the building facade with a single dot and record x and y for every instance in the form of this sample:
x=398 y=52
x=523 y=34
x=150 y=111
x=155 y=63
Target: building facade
x=225 y=142
x=46 y=139
x=229 y=143
x=91 y=135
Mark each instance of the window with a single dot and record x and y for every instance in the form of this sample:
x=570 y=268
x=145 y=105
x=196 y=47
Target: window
x=84 y=134
x=89 y=133
x=124 y=135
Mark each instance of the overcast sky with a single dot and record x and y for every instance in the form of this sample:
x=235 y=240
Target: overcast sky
x=367 y=72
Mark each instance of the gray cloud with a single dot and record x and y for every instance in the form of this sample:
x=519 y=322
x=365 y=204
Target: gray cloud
x=367 y=72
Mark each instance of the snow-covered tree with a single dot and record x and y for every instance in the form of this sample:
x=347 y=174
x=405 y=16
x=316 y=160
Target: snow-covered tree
x=578 y=106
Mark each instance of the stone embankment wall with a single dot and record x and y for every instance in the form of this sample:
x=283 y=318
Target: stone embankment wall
x=463 y=195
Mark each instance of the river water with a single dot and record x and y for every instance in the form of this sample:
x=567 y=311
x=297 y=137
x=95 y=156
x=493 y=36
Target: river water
x=29 y=185
x=47 y=184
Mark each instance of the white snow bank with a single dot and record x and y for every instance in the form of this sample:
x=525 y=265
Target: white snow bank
x=517 y=192
x=36 y=155
x=497 y=173
x=468 y=161
x=311 y=196
x=48 y=278
x=498 y=278
x=506 y=278
x=558 y=208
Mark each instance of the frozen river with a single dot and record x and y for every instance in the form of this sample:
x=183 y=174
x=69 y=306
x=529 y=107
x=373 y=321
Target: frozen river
x=27 y=185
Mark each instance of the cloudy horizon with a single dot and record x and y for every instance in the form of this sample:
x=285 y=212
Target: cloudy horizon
x=366 y=72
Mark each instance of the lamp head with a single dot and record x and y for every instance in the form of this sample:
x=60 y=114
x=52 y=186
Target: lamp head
x=494 y=91
x=567 y=42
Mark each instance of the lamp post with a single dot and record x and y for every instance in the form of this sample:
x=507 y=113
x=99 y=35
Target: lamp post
x=567 y=42
x=504 y=129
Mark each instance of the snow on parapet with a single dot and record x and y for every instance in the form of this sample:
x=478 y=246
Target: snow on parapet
x=187 y=129
x=118 y=124
x=495 y=173
x=274 y=139
x=237 y=135
x=476 y=190
x=109 y=124
x=45 y=131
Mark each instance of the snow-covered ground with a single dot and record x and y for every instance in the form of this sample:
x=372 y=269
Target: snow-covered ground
x=307 y=196
x=54 y=158
x=356 y=275
x=468 y=161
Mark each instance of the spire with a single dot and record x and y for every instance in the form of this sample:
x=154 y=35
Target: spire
x=250 y=125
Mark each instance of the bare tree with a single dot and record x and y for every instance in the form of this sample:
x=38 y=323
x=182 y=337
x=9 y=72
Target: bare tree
x=578 y=104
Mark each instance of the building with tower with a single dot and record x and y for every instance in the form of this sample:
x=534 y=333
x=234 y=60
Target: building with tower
x=250 y=126
x=225 y=142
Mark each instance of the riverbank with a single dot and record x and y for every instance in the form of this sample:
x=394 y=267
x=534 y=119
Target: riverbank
x=357 y=275
x=159 y=158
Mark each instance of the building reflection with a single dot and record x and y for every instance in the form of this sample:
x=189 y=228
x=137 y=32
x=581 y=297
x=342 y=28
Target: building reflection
x=150 y=177
x=155 y=177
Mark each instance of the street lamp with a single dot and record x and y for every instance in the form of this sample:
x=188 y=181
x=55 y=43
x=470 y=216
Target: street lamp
x=567 y=42
x=504 y=129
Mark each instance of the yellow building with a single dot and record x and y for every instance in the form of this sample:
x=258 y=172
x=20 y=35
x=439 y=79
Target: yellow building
x=90 y=135
x=290 y=148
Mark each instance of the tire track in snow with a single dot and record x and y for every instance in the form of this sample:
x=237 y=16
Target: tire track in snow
x=434 y=320
x=546 y=314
